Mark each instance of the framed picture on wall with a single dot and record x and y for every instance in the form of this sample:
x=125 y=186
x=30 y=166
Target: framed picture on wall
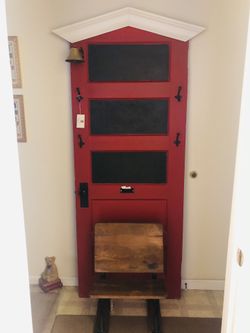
x=14 y=62
x=20 y=120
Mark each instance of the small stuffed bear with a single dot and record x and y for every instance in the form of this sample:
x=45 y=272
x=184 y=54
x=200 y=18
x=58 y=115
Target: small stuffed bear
x=49 y=279
x=50 y=272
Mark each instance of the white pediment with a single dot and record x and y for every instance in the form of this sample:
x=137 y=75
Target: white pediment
x=131 y=17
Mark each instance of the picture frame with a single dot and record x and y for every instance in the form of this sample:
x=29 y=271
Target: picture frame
x=14 y=62
x=20 y=119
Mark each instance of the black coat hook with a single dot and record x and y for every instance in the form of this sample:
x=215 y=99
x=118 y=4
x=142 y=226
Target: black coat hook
x=78 y=96
x=177 y=140
x=80 y=141
x=178 y=96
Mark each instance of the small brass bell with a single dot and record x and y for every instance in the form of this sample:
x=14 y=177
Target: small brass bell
x=75 y=56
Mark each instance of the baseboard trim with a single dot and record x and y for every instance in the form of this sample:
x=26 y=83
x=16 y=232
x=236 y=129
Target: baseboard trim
x=203 y=284
x=185 y=284
x=67 y=281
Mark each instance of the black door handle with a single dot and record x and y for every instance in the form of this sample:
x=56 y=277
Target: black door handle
x=84 y=195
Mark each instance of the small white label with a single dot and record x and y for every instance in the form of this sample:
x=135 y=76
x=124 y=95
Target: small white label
x=124 y=187
x=80 y=121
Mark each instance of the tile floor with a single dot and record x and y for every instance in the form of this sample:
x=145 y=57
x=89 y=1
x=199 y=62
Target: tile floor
x=193 y=303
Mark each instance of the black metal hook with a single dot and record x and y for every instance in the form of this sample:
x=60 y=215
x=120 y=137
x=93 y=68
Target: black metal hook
x=79 y=96
x=80 y=141
x=178 y=96
x=177 y=140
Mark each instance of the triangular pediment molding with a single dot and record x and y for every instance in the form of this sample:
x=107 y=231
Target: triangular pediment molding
x=131 y=17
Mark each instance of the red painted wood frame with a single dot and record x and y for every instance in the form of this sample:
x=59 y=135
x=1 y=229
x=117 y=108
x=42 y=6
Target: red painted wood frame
x=161 y=203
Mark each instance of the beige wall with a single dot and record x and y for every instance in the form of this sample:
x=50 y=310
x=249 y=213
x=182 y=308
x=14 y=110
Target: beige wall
x=215 y=76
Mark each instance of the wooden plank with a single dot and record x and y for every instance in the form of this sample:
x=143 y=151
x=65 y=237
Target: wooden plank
x=126 y=289
x=128 y=248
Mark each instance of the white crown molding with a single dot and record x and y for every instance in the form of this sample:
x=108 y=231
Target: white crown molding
x=125 y=17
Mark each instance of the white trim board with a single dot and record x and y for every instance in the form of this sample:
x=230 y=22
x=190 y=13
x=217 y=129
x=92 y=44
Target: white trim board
x=191 y=284
x=203 y=284
x=125 y=17
x=67 y=281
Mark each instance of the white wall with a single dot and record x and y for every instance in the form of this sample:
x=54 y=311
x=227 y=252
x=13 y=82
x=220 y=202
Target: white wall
x=237 y=288
x=216 y=66
x=14 y=300
x=215 y=76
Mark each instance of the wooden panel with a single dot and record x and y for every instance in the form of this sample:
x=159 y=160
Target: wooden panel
x=127 y=209
x=128 y=247
x=129 y=289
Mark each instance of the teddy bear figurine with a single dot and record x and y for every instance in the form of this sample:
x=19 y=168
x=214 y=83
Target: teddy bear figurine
x=49 y=279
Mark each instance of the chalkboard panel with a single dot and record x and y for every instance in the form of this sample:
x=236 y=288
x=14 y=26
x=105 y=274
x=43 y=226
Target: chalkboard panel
x=129 y=117
x=114 y=63
x=129 y=167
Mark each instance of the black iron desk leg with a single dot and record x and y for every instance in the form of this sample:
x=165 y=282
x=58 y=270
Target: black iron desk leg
x=102 y=316
x=154 y=315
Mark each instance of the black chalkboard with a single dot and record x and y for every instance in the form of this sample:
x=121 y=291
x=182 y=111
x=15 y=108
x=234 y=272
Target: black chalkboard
x=129 y=117
x=129 y=167
x=112 y=62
